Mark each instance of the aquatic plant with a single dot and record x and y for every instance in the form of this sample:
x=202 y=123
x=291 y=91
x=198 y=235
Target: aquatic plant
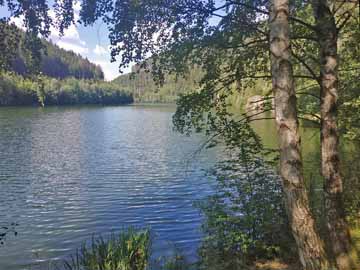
x=129 y=250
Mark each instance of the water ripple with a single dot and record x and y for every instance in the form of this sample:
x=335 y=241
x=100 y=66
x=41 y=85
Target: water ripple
x=69 y=173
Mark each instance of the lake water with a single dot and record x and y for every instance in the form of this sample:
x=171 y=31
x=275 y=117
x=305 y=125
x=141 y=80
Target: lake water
x=68 y=173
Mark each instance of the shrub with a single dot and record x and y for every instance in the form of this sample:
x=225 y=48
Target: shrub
x=245 y=220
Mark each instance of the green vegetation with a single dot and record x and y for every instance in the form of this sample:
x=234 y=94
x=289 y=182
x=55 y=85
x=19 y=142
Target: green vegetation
x=294 y=46
x=245 y=219
x=302 y=49
x=9 y=44
x=49 y=75
x=130 y=250
x=54 y=62
x=18 y=90
x=176 y=262
x=145 y=89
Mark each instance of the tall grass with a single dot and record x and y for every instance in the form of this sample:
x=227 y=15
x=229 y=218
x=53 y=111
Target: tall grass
x=129 y=250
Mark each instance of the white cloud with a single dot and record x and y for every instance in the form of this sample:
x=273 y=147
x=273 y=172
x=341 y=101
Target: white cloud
x=69 y=46
x=77 y=8
x=18 y=21
x=111 y=70
x=100 y=50
x=69 y=41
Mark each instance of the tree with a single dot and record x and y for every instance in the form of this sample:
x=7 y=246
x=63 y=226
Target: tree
x=311 y=251
x=9 y=40
x=327 y=33
x=233 y=51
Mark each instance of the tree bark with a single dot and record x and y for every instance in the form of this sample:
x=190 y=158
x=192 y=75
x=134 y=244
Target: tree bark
x=310 y=247
x=339 y=234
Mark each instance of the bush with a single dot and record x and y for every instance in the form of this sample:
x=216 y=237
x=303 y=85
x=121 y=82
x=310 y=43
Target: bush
x=246 y=219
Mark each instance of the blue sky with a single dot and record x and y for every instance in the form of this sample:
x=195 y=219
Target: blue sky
x=90 y=42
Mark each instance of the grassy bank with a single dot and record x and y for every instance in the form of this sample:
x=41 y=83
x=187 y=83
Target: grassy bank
x=131 y=250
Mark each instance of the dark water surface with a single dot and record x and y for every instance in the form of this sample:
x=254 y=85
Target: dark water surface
x=67 y=173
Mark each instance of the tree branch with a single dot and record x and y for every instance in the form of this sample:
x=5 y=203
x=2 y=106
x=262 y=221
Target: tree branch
x=295 y=19
x=305 y=37
x=304 y=77
x=343 y=23
x=302 y=92
x=308 y=25
x=311 y=114
x=245 y=45
x=308 y=94
x=311 y=71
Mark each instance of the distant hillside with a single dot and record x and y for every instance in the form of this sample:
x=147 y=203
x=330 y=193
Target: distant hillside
x=144 y=89
x=141 y=84
x=56 y=62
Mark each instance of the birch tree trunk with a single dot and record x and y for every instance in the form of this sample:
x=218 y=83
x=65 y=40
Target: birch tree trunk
x=310 y=247
x=339 y=234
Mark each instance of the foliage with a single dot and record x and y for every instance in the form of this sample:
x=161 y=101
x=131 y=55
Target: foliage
x=17 y=90
x=141 y=83
x=228 y=41
x=350 y=124
x=59 y=63
x=351 y=171
x=175 y=262
x=9 y=42
x=181 y=35
x=349 y=69
x=246 y=218
x=26 y=55
x=130 y=250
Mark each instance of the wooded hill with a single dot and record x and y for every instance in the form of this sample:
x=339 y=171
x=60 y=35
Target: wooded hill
x=141 y=83
x=55 y=61
x=144 y=88
x=49 y=75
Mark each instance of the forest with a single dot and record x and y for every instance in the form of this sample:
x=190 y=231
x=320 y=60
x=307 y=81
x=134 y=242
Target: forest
x=54 y=61
x=302 y=58
x=59 y=78
x=145 y=90
x=18 y=90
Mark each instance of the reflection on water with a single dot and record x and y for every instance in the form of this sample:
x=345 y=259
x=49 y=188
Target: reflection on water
x=66 y=173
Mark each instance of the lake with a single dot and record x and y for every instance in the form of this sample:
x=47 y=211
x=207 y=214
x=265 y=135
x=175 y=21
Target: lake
x=67 y=173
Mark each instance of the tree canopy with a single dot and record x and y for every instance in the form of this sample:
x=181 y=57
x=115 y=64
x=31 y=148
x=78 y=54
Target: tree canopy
x=291 y=47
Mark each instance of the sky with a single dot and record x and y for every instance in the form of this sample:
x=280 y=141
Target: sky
x=90 y=42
